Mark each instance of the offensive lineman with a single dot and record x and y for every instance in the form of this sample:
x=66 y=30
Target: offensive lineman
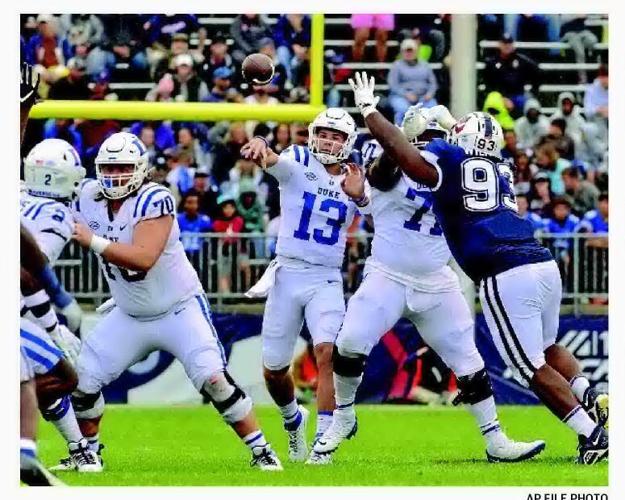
x=130 y=224
x=423 y=289
x=520 y=284
x=304 y=281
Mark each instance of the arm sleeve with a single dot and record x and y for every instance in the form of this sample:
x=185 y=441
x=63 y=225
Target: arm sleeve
x=288 y=160
x=434 y=153
x=54 y=233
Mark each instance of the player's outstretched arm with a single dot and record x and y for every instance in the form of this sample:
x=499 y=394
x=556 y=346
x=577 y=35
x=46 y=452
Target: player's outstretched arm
x=29 y=83
x=258 y=150
x=149 y=239
x=391 y=138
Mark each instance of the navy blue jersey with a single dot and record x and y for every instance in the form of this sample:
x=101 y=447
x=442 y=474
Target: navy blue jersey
x=475 y=205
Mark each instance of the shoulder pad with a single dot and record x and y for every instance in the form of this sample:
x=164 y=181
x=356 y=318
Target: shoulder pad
x=300 y=154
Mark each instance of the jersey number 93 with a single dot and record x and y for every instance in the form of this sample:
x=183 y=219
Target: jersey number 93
x=481 y=178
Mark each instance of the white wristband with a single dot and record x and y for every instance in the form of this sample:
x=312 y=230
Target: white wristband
x=99 y=244
x=367 y=111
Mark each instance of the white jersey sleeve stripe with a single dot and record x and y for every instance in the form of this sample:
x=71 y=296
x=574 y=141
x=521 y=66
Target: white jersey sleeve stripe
x=141 y=197
x=432 y=159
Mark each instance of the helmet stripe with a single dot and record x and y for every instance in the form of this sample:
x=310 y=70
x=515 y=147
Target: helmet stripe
x=488 y=125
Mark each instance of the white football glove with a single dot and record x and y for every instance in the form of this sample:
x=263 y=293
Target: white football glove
x=363 y=93
x=106 y=307
x=442 y=115
x=415 y=121
x=73 y=314
x=67 y=342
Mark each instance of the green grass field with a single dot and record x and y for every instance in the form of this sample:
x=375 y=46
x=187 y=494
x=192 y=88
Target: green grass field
x=396 y=445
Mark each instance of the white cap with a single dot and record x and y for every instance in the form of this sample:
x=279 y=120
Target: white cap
x=408 y=43
x=183 y=59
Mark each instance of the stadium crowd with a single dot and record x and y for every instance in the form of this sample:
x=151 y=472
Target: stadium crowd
x=561 y=166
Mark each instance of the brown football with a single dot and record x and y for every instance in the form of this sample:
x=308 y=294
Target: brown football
x=258 y=69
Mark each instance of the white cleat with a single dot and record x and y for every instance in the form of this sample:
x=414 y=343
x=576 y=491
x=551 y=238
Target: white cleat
x=319 y=458
x=298 y=449
x=265 y=458
x=80 y=459
x=513 y=451
x=344 y=426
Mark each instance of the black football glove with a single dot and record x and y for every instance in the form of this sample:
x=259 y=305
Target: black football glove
x=29 y=83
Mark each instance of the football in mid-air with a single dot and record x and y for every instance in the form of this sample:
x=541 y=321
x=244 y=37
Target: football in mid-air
x=258 y=69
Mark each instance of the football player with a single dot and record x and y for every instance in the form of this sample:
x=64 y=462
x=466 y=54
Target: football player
x=425 y=290
x=129 y=222
x=304 y=281
x=520 y=283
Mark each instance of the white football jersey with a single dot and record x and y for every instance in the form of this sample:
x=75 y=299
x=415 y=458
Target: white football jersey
x=49 y=221
x=315 y=212
x=407 y=238
x=171 y=280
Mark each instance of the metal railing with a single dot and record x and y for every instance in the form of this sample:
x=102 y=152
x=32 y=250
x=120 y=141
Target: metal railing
x=228 y=264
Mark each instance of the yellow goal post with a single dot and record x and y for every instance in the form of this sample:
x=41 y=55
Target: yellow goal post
x=200 y=111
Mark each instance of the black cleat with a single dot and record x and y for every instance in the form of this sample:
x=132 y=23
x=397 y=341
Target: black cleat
x=594 y=448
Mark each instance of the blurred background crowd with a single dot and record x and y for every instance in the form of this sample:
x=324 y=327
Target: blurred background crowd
x=543 y=77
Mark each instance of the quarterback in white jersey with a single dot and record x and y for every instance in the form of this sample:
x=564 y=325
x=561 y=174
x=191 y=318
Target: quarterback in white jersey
x=304 y=281
x=407 y=275
x=130 y=224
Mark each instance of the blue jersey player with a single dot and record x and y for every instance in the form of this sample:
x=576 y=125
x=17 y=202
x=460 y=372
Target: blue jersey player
x=520 y=284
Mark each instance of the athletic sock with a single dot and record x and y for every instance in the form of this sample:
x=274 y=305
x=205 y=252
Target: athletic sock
x=581 y=388
x=485 y=412
x=61 y=414
x=28 y=448
x=324 y=419
x=345 y=391
x=291 y=415
x=578 y=420
x=255 y=439
x=94 y=442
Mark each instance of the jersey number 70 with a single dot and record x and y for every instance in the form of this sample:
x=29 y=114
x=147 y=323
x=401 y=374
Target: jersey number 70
x=480 y=178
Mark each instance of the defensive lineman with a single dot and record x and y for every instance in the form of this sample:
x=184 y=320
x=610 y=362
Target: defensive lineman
x=304 y=281
x=130 y=224
x=520 y=284
x=424 y=290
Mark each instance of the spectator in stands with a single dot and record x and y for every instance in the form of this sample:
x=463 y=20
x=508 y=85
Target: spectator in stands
x=126 y=59
x=217 y=57
x=179 y=46
x=251 y=209
x=84 y=36
x=260 y=97
x=291 y=34
x=559 y=138
x=63 y=129
x=510 y=148
x=222 y=90
x=596 y=220
x=147 y=136
x=192 y=223
x=362 y=25
x=549 y=161
x=579 y=37
x=206 y=191
x=532 y=125
x=532 y=27
x=227 y=139
x=228 y=222
x=410 y=81
x=45 y=50
x=523 y=172
x=495 y=104
x=189 y=146
x=180 y=176
x=596 y=101
x=93 y=134
x=299 y=134
x=281 y=137
x=430 y=29
x=523 y=204
x=160 y=31
x=248 y=30
x=74 y=85
x=583 y=194
x=164 y=137
x=279 y=82
x=508 y=72
x=540 y=195
x=243 y=173
x=184 y=86
x=100 y=88
x=562 y=222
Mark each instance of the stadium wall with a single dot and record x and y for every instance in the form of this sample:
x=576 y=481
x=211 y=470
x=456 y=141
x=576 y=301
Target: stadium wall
x=160 y=379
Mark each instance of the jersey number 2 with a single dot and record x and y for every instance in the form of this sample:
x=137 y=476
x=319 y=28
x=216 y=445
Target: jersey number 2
x=480 y=178
x=303 y=233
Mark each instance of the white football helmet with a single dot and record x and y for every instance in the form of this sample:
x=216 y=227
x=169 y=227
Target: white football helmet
x=122 y=148
x=432 y=131
x=478 y=133
x=333 y=119
x=52 y=169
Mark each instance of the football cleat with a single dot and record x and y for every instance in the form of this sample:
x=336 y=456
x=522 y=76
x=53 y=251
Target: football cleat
x=298 y=449
x=599 y=410
x=513 y=451
x=594 y=448
x=33 y=473
x=265 y=458
x=80 y=459
x=319 y=458
x=344 y=426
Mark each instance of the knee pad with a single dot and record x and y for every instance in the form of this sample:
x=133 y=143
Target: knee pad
x=474 y=388
x=88 y=405
x=57 y=410
x=346 y=366
x=227 y=397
